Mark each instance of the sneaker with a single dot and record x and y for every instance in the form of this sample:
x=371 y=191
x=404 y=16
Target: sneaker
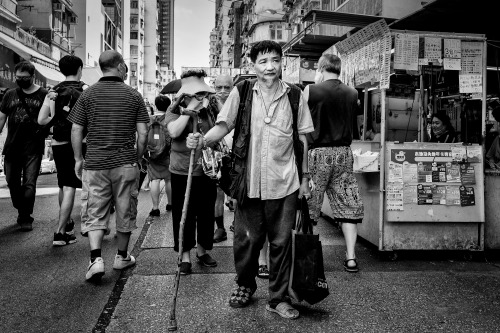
x=122 y=263
x=168 y=208
x=206 y=260
x=220 y=235
x=95 y=270
x=63 y=239
x=185 y=268
x=70 y=227
x=154 y=212
x=25 y=222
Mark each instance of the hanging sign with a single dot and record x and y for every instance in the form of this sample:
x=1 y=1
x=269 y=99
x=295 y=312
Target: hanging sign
x=432 y=49
x=406 y=51
x=470 y=83
x=472 y=58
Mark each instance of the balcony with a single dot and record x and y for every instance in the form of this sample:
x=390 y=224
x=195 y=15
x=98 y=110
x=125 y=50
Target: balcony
x=60 y=40
x=33 y=42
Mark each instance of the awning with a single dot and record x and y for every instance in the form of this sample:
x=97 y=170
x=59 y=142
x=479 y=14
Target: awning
x=310 y=46
x=91 y=75
x=23 y=51
x=53 y=77
x=343 y=19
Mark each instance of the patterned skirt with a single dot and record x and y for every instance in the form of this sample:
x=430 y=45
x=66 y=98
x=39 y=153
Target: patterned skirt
x=331 y=171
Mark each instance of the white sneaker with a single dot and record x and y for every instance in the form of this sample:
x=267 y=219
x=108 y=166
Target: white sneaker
x=95 y=270
x=122 y=263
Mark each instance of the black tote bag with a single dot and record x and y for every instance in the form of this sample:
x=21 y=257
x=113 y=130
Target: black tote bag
x=307 y=274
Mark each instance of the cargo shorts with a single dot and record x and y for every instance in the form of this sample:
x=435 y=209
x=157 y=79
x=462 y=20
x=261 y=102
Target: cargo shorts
x=103 y=188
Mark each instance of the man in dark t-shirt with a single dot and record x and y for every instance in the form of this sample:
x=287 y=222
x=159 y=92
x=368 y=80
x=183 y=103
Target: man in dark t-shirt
x=25 y=141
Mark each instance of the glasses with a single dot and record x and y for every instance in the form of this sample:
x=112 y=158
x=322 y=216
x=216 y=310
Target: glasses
x=219 y=88
x=199 y=96
x=24 y=78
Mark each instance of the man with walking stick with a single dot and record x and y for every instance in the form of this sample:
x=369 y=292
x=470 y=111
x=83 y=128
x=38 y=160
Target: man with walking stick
x=270 y=153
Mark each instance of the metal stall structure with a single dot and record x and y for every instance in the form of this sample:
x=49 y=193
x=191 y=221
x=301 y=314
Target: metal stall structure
x=426 y=196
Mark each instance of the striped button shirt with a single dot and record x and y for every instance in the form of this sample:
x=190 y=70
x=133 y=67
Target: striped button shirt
x=110 y=110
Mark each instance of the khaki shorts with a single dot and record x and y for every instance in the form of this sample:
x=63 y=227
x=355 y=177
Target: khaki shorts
x=101 y=189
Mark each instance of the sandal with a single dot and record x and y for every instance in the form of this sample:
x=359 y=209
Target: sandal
x=285 y=310
x=263 y=272
x=241 y=297
x=351 y=269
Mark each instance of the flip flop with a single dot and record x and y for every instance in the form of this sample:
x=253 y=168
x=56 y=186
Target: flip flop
x=351 y=269
x=285 y=310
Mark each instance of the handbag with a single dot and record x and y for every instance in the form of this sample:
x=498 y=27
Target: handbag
x=307 y=274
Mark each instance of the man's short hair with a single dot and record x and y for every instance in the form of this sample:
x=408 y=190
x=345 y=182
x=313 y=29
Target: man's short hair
x=265 y=46
x=25 y=66
x=69 y=64
x=162 y=102
x=330 y=63
x=496 y=113
x=110 y=60
x=200 y=73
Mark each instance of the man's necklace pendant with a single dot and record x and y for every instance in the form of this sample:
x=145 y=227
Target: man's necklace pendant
x=267 y=120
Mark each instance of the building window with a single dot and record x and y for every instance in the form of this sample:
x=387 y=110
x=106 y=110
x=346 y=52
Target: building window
x=275 y=31
x=133 y=35
x=134 y=20
x=134 y=4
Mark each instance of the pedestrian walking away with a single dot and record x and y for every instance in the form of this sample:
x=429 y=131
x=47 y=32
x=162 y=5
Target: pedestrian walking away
x=271 y=153
x=113 y=113
x=333 y=105
x=158 y=166
x=192 y=99
x=56 y=107
x=223 y=86
x=25 y=142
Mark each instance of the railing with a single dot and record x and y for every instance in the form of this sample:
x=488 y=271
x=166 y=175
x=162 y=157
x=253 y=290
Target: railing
x=33 y=42
x=58 y=39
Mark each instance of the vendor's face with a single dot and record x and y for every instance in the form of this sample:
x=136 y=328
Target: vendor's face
x=436 y=123
x=197 y=101
x=267 y=66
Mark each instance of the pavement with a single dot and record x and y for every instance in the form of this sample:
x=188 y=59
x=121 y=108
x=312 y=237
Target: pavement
x=44 y=291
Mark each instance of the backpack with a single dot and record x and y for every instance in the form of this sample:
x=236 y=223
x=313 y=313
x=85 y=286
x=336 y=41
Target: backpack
x=67 y=95
x=159 y=140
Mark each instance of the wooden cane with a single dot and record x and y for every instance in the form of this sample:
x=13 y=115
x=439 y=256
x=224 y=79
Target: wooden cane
x=173 y=321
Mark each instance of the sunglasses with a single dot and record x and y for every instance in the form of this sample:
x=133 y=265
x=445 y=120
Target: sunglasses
x=24 y=78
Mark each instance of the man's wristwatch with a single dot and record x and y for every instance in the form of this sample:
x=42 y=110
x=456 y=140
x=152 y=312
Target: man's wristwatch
x=306 y=175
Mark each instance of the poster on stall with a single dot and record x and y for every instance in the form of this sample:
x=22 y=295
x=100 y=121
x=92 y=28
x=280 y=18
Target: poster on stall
x=395 y=172
x=410 y=194
x=470 y=83
x=438 y=195
x=406 y=51
x=467 y=174
x=459 y=154
x=410 y=174
x=453 y=195
x=472 y=58
x=432 y=49
x=424 y=194
x=452 y=173
x=394 y=196
x=467 y=197
x=474 y=154
x=452 y=48
x=452 y=64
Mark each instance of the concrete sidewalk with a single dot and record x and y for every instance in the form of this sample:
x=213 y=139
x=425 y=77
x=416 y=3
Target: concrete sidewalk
x=417 y=294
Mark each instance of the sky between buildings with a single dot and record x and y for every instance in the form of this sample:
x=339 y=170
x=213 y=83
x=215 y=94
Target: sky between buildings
x=194 y=19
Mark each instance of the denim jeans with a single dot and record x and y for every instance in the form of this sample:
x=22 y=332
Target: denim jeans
x=253 y=220
x=21 y=174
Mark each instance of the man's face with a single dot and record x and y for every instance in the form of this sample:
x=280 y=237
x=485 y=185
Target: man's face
x=223 y=86
x=267 y=66
x=24 y=79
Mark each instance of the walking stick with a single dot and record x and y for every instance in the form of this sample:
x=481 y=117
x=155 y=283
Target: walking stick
x=173 y=321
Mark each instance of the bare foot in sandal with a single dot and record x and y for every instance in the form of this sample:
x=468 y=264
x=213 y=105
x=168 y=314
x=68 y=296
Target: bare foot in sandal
x=285 y=310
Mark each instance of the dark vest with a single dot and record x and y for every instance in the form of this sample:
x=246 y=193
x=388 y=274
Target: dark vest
x=333 y=108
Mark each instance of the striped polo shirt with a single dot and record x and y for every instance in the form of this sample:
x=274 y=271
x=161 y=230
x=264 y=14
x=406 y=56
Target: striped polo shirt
x=110 y=110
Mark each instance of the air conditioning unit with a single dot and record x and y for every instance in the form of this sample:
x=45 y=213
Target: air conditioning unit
x=58 y=7
x=132 y=73
x=73 y=20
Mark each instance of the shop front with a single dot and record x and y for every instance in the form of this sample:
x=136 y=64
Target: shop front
x=425 y=195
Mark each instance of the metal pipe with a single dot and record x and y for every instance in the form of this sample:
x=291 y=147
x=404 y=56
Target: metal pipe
x=365 y=113
x=381 y=205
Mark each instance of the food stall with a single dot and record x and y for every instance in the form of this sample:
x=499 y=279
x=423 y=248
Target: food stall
x=425 y=195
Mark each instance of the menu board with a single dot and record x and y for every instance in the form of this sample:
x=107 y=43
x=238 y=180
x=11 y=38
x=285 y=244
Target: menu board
x=472 y=57
x=432 y=49
x=406 y=51
x=446 y=176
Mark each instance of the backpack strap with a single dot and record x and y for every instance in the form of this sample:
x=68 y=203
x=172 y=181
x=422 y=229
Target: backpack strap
x=246 y=95
x=294 y=99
